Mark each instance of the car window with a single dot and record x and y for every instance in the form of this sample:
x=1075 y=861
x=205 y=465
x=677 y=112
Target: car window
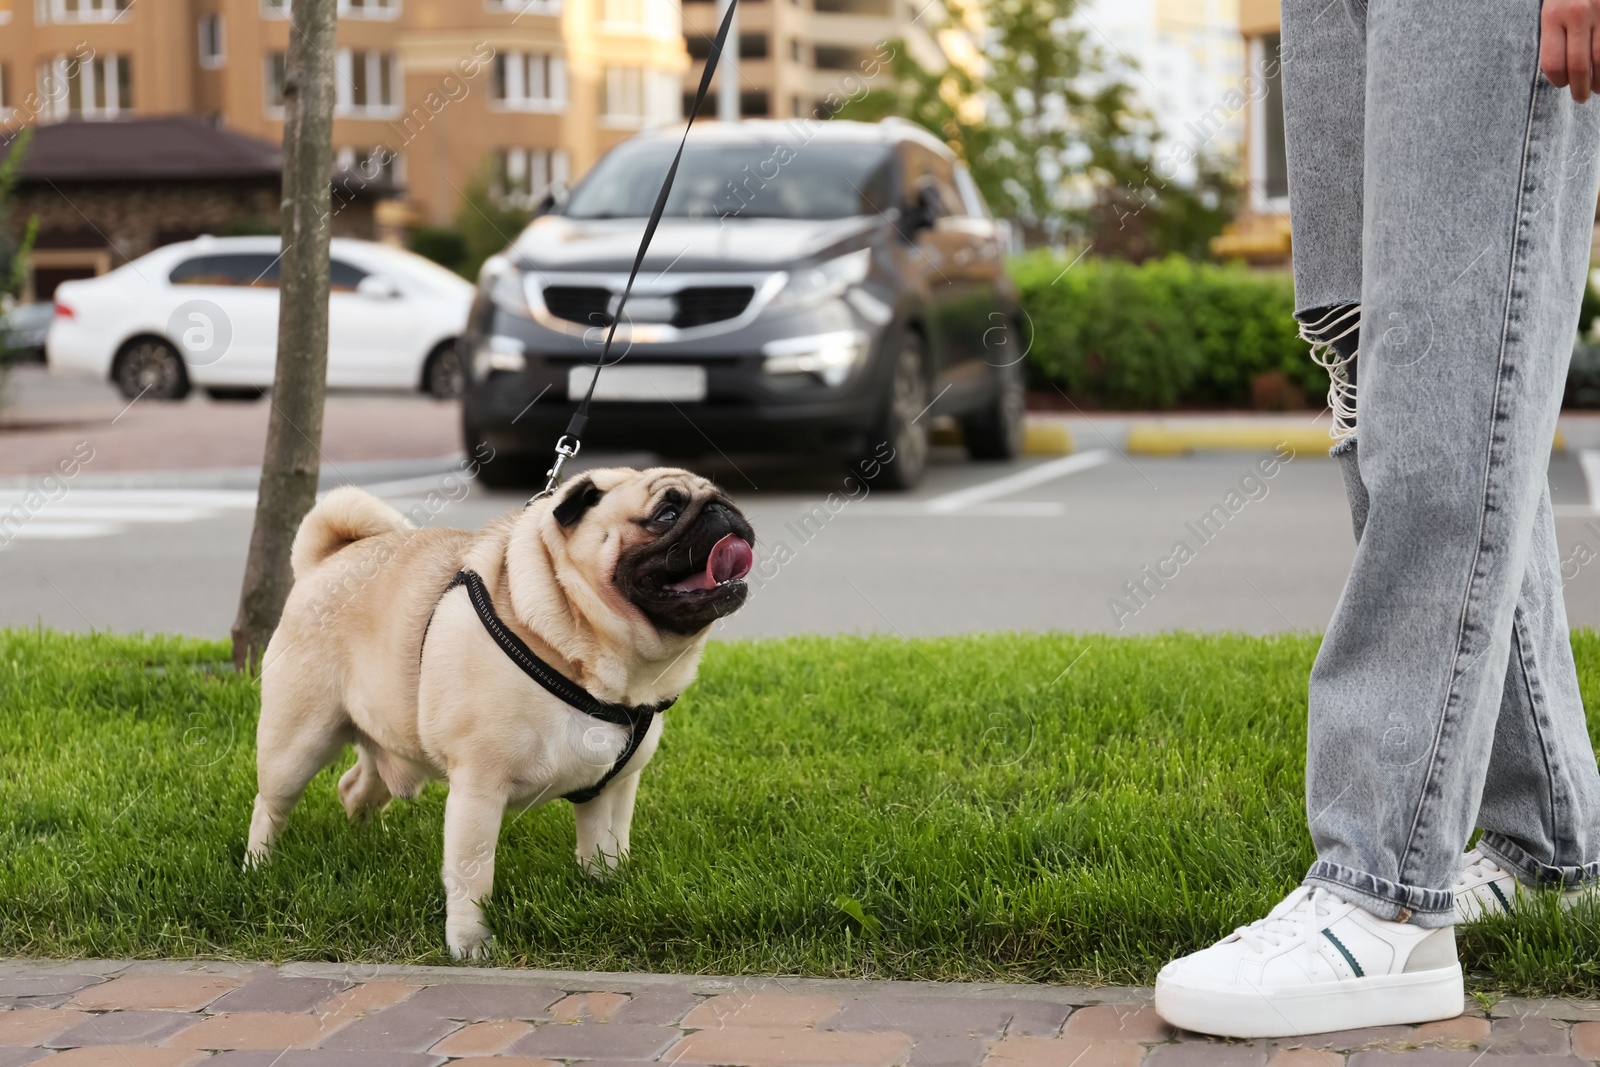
x=971 y=195
x=344 y=277
x=732 y=180
x=253 y=269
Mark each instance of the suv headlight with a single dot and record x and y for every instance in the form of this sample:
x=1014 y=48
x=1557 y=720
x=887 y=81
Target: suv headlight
x=829 y=356
x=823 y=281
x=504 y=285
x=498 y=352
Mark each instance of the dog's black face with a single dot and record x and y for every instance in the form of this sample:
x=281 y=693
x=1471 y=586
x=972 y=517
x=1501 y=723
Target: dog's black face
x=691 y=572
x=685 y=551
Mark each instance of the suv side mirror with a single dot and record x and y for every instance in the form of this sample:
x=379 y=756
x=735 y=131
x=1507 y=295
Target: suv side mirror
x=923 y=212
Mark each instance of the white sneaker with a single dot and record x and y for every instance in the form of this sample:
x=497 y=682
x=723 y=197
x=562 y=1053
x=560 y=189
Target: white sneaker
x=1485 y=888
x=1313 y=965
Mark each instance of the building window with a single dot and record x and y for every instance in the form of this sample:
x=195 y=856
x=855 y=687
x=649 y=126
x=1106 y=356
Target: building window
x=530 y=81
x=523 y=7
x=79 y=10
x=833 y=57
x=1269 y=161
x=524 y=175
x=212 y=51
x=100 y=88
x=367 y=83
x=5 y=88
x=632 y=96
x=751 y=45
x=274 y=9
x=275 y=64
x=380 y=164
x=659 y=17
x=369 y=9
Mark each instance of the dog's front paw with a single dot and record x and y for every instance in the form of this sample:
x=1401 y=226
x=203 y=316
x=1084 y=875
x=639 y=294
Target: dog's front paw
x=469 y=939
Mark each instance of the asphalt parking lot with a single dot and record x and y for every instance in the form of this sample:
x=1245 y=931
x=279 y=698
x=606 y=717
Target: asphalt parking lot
x=1078 y=543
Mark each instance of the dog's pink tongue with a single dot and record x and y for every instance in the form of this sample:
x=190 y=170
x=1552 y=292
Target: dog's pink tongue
x=730 y=558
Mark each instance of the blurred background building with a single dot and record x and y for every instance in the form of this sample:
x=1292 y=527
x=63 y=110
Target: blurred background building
x=1182 y=59
x=431 y=93
x=1260 y=234
x=802 y=58
x=435 y=97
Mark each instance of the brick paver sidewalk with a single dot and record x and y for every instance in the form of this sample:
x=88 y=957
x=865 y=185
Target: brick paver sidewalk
x=158 y=1014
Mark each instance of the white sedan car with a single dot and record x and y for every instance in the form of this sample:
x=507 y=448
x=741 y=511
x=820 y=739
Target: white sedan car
x=205 y=313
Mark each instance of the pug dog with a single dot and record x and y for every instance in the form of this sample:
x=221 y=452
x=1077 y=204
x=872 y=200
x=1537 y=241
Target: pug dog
x=613 y=582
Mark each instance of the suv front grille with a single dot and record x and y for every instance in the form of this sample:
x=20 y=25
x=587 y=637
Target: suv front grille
x=696 y=306
x=702 y=305
x=586 y=305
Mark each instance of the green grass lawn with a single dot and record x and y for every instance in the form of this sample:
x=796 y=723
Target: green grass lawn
x=1039 y=807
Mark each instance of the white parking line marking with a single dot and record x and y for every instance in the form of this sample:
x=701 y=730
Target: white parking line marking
x=66 y=512
x=1013 y=509
x=1589 y=460
x=63 y=531
x=962 y=499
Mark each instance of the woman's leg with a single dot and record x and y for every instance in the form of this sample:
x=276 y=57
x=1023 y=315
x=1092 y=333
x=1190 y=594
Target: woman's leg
x=1478 y=201
x=1540 y=812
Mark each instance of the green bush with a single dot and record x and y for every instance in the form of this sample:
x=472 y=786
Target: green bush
x=1162 y=334
x=443 y=245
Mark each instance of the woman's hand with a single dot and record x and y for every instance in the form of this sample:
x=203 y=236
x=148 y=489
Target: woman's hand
x=1569 y=44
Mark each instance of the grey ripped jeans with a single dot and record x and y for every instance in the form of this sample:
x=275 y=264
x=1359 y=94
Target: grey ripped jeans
x=1442 y=197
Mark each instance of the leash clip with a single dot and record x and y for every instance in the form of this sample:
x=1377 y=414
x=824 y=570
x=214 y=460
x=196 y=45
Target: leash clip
x=564 y=452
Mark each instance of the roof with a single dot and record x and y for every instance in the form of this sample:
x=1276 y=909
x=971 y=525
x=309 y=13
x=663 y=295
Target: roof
x=162 y=148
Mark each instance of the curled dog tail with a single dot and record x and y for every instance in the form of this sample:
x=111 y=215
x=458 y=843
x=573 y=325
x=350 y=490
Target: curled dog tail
x=344 y=516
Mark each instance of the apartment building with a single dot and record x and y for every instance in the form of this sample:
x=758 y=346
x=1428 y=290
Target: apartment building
x=807 y=57
x=430 y=92
x=1182 y=59
x=1260 y=234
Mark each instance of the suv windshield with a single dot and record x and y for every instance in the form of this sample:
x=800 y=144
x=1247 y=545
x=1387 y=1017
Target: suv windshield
x=738 y=180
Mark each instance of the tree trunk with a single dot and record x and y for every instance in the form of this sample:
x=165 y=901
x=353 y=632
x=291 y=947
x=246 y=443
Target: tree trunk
x=292 y=460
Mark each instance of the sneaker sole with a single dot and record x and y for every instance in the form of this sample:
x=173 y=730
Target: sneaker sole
x=1382 y=1000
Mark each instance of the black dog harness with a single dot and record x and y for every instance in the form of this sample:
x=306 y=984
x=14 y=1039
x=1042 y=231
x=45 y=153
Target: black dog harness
x=637 y=720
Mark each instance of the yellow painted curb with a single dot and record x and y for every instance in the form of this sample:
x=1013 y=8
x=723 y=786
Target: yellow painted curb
x=1153 y=439
x=1039 y=438
x=1047 y=439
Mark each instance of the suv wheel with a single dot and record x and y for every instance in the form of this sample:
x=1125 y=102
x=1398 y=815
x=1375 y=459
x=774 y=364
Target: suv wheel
x=997 y=431
x=151 y=367
x=902 y=425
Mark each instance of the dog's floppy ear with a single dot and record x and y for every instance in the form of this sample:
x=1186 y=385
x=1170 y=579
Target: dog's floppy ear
x=580 y=498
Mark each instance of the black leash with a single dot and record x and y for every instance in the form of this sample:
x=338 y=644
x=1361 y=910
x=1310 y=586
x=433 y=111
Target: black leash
x=637 y=720
x=570 y=442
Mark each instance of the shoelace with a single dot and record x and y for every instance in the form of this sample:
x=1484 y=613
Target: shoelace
x=1314 y=904
x=1478 y=868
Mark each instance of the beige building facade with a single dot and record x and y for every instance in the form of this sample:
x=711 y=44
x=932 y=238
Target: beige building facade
x=431 y=93
x=806 y=58
x=1260 y=234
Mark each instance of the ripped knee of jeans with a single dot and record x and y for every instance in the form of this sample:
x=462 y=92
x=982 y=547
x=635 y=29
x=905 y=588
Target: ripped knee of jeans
x=1334 y=335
